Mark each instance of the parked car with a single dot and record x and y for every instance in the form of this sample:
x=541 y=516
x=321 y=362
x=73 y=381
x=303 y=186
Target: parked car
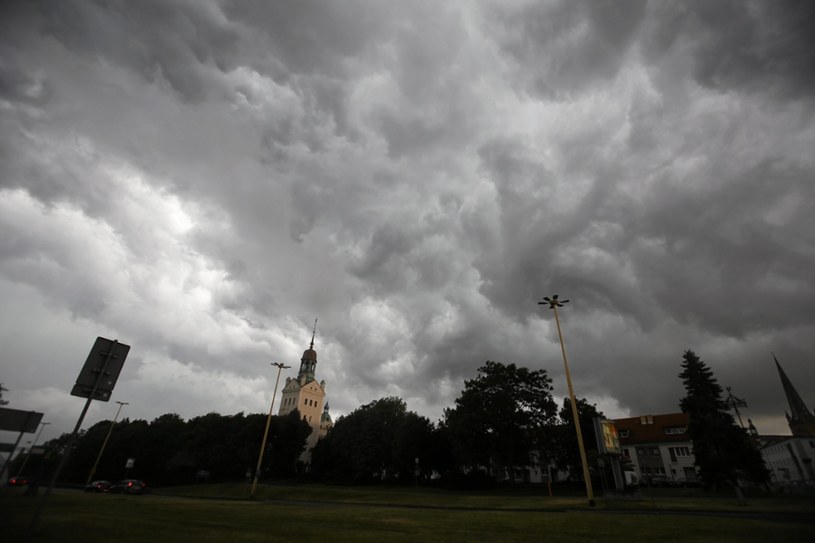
x=18 y=481
x=98 y=486
x=128 y=486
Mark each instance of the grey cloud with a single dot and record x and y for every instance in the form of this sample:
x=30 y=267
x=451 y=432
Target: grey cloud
x=566 y=47
x=176 y=42
x=754 y=46
x=418 y=177
x=310 y=36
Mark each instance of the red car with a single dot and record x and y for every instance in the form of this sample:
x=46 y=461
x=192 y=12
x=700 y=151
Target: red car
x=18 y=481
x=97 y=486
x=128 y=486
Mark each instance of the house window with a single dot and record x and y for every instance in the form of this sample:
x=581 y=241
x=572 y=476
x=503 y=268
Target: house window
x=646 y=419
x=675 y=430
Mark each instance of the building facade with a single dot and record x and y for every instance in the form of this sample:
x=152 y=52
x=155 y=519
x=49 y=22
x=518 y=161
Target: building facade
x=789 y=459
x=657 y=449
x=307 y=396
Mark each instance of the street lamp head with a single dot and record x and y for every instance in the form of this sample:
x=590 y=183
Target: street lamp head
x=553 y=302
x=280 y=365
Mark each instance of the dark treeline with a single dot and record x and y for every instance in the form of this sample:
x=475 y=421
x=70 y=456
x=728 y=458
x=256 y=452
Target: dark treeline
x=504 y=421
x=170 y=450
x=504 y=424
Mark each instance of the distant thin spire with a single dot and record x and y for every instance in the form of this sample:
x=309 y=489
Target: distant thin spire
x=800 y=419
x=314 y=333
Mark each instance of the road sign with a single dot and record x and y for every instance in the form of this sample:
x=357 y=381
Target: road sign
x=101 y=369
x=17 y=420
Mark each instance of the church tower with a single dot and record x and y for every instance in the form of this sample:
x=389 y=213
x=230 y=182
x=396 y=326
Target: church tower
x=800 y=418
x=306 y=395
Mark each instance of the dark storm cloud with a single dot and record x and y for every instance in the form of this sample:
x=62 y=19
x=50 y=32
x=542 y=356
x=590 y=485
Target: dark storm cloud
x=204 y=179
x=568 y=47
x=173 y=42
x=753 y=46
x=717 y=250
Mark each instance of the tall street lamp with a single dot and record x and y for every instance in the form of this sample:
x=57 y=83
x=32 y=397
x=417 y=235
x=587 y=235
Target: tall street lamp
x=553 y=304
x=279 y=367
x=42 y=426
x=104 y=443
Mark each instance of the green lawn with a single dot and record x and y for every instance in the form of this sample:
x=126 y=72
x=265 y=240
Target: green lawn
x=74 y=516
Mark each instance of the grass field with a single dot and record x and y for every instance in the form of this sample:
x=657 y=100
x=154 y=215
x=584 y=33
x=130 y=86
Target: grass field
x=315 y=513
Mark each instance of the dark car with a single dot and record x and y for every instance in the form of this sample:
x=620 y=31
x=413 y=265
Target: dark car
x=128 y=486
x=18 y=481
x=98 y=486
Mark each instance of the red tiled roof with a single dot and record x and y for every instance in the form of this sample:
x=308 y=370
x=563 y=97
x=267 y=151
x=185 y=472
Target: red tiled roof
x=653 y=432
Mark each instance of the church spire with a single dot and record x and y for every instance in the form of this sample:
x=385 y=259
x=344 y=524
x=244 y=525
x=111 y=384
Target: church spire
x=800 y=418
x=308 y=363
x=314 y=333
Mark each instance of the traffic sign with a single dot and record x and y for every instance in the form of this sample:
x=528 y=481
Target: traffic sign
x=101 y=370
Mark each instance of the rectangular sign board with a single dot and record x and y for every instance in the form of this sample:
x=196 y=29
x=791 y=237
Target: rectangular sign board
x=105 y=353
x=607 y=438
x=17 y=420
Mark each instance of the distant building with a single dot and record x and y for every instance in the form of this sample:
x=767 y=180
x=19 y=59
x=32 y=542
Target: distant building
x=307 y=396
x=800 y=418
x=657 y=448
x=789 y=460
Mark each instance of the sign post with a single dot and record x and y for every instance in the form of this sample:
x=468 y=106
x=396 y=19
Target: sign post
x=95 y=382
x=608 y=446
x=16 y=420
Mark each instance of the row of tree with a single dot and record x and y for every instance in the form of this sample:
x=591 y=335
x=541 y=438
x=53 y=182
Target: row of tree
x=170 y=450
x=504 y=419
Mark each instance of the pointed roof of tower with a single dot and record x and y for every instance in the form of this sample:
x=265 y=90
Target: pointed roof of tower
x=310 y=353
x=799 y=414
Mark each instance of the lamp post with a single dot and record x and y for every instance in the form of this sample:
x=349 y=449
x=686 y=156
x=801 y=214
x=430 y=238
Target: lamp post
x=553 y=304
x=42 y=425
x=104 y=443
x=279 y=367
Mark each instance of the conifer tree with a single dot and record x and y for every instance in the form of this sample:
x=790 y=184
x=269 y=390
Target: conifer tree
x=723 y=451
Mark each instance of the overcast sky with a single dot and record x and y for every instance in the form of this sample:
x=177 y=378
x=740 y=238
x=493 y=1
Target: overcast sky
x=202 y=179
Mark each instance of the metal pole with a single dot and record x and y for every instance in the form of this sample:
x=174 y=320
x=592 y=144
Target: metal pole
x=7 y=464
x=104 y=443
x=586 y=474
x=732 y=401
x=43 y=425
x=266 y=432
x=72 y=438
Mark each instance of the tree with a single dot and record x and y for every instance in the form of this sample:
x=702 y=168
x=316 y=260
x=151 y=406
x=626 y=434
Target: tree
x=501 y=417
x=376 y=441
x=723 y=451
x=566 y=453
x=288 y=436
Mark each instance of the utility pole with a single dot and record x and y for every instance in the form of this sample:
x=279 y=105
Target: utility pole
x=279 y=367
x=553 y=304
